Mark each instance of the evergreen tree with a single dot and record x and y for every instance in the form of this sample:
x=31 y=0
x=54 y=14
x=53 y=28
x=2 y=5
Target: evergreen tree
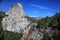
x=1 y=29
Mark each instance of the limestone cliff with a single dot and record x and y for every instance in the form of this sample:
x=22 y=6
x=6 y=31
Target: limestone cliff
x=16 y=20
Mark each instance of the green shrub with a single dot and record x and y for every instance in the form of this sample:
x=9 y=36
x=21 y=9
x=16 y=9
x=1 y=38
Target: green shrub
x=12 y=36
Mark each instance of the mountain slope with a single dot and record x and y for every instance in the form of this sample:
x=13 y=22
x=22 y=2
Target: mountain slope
x=15 y=21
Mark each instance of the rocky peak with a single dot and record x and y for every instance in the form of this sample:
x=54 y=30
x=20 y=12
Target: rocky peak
x=15 y=21
x=18 y=4
x=16 y=8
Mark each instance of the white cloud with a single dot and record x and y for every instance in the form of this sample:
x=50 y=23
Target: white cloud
x=41 y=7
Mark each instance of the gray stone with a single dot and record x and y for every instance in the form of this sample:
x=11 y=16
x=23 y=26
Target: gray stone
x=15 y=21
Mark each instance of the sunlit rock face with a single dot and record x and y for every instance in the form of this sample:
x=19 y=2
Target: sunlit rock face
x=36 y=35
x=16 y=20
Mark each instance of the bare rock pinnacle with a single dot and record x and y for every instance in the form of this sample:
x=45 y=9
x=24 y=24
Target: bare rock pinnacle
x=16 y=20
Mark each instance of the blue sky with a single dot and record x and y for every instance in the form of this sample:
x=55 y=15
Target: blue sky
x=34 y=8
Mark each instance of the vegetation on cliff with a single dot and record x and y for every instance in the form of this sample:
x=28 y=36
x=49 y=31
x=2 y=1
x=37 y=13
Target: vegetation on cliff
x=7 y=35
x=53 y=22
x=49 y=21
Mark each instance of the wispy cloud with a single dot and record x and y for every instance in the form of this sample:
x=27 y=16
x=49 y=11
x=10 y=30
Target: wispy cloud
x=41 y=7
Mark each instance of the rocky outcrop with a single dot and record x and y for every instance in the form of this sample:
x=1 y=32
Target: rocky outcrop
x=34 y=33
x=15 y=20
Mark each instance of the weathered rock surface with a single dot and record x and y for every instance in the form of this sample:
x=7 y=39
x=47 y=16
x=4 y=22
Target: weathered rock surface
x=16 y=20
x=34 y=33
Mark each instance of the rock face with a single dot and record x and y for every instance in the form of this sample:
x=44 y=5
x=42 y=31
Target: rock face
x=40 y=34
x=34 y=33
x=16 y=20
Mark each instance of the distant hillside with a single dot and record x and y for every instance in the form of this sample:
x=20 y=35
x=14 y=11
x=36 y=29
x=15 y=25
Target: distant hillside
x=32 y=19
x=50 y=21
